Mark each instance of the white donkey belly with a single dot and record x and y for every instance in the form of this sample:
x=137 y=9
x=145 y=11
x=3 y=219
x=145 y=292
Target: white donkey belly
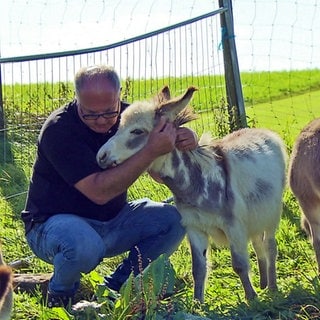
x=252 y=218
x=208 y=223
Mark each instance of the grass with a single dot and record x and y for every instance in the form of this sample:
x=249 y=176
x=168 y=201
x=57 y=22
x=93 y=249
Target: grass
x=284 y=102
x=286 y=116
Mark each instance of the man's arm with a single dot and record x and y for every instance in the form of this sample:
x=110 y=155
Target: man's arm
x=101 y=187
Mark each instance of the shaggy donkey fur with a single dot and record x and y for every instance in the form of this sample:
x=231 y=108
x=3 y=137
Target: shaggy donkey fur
x=228 y=189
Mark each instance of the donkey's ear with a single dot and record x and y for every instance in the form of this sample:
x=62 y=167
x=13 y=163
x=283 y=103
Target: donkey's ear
x=162 y=96
x=171 y=108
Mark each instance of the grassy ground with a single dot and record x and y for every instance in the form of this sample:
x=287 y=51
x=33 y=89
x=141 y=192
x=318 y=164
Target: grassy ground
x=286 y=116
x=298 y=296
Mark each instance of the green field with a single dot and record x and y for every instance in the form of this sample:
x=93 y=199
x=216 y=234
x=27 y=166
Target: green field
x=281 y=101
x=287 y=116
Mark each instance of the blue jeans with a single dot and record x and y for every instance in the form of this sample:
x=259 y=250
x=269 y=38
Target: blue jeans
x=76 y=245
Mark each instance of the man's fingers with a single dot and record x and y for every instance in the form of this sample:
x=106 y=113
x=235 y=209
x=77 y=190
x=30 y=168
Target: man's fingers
x=161 y=124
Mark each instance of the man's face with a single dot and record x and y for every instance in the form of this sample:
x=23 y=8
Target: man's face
x=99 y=105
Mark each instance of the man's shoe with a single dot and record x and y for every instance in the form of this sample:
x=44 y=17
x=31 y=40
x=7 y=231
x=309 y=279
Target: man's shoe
x=55 y=300
x=112 y=284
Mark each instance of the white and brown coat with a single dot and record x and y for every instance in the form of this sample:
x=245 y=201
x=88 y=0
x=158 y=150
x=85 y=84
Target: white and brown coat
x=229 y=189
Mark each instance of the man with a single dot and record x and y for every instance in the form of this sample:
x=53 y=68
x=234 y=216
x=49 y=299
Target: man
x=76 y=214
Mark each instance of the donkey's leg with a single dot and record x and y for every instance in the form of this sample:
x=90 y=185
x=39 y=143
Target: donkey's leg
x=260 y=250
x=311 y=222
x=199 y=244
x=272 y=252
x=240 y=261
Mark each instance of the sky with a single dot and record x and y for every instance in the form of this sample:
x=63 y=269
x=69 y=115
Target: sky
x=58 y=25
x=269 y=34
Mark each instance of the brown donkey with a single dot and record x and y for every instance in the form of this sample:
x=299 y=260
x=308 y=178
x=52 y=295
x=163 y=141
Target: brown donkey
x=304 y=180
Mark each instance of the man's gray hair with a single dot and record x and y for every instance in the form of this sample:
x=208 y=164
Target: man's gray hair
x=86 y=74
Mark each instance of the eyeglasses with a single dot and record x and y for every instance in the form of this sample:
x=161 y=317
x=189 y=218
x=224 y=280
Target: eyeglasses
x=96 y=116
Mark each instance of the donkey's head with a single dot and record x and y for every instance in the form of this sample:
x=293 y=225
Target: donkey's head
x=138 y=120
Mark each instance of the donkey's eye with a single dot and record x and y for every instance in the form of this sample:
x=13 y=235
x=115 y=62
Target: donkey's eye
x=136 y=131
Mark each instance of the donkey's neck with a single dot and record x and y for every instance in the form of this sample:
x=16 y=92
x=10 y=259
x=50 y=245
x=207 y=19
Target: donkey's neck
x=192 y=176
x=175 y=162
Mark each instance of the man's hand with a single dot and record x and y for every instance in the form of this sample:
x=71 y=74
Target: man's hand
x=162 y=138
x=186 y=139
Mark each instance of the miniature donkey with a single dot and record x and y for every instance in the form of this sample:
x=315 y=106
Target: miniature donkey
x=304 y=180
x=229 y=189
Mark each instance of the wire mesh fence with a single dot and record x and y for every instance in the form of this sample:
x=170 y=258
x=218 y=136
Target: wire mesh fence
x=187 y=53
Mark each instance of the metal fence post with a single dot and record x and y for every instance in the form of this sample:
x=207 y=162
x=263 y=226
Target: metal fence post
x=231 y=68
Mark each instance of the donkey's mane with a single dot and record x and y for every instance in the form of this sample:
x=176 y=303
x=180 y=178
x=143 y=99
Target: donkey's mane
x=208 y=147
x=185 y=115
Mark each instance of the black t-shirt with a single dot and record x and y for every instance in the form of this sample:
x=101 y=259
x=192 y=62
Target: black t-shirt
x=66 y=154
